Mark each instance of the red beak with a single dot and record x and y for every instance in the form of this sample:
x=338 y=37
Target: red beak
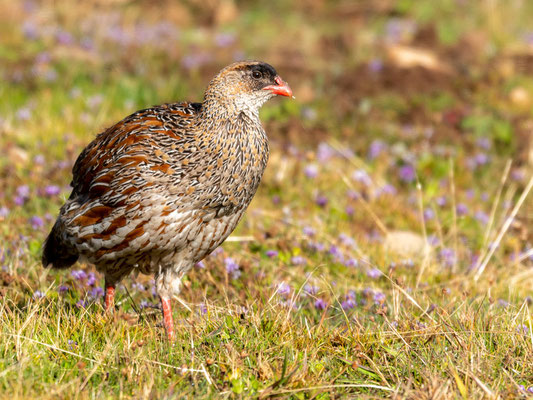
x=282 y=88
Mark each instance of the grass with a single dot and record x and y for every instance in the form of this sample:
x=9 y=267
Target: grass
x=387 y=253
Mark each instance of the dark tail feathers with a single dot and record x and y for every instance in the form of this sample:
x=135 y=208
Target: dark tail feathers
x=55 y=253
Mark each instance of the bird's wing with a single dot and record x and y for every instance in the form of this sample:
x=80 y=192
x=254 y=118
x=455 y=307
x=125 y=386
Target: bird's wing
x=109 y=167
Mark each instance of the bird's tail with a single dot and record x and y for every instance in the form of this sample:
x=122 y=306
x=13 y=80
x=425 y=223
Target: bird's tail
x=56 y=253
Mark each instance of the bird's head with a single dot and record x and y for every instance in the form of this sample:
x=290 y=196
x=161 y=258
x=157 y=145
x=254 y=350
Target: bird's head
x=245 y=86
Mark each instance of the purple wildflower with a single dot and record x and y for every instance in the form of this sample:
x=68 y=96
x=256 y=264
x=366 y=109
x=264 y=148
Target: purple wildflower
x=361 y=176
x=379 y=298
x=484 y=143
x=81 y=304
x=203 y=308
x=461 y=209
x=447 y=255
x=311 y=289
x=348 y=304
x=232 y=267
x=4 y=212
x=324 y=152
x=351 y=263
x=311 y=171
x=62 y=289
x=39 y=159
x=96 y=292
x=429 y=214
x=36 y=222
x=38 y=294
x=349 y=210
x=138 y=286
x=298 y=260
x=375 y=65
x=321 y=200
x=407 y=173
x=271 y=253
x=481 y=217
x=224 y=39
x=91 y=279
x=78 y=274
x=503 y=303
x=373 y=273
x=284 y=289
x=441 y=201
x=23 y=113
x=23 y=191
x=522 y=329
x=320 y=304
x=308 y=231
x=376 y=148
x=52 y=190
x=200 y=264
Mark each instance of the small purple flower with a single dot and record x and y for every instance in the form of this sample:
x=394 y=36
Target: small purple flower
x=38 y=294
x=23 y=191
x=503 y=303
x=39 y=159
x=78 y=274
x=376 y=148
x=308 y=231
x=447 y=255
x=481 y=217
x=96 y=292
x=336 y=253
x=138 y=286
x=4 y=212
x=64 y=37
x=407 y=173
x=324 y=152
x=52 y=190
x=375 y=65
x=373 y=273
x=284 y=289
x=484 y=143
x=461 y=209
x=361 y=176
x=321 y=200
x=62 y=289
x=320 y=304
x=200 y=265
x=224 y=39
x=441 y=201
x=36 y=222
x=386 y=189
x=481 y=159
x=349 y=210
x=23 y=114
x=522 y=329
x=379 y=298
x=298 y=260
x=348 y=304
x=95 y=100
x=429 y=214
x=232 y=267
x=311 y=289
x=81 y=304
x=91 y=279
x=203 y=308
x=72 y=344
x=351 y=263
x=271 y=253
x=311 y=171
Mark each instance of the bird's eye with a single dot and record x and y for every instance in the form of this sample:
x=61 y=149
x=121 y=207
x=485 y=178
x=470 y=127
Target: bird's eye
x=257 y=74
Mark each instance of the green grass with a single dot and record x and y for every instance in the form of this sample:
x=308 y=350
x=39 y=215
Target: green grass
x=336 y=312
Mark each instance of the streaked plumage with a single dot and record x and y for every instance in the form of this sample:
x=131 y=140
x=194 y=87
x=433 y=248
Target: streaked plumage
x=161 y=189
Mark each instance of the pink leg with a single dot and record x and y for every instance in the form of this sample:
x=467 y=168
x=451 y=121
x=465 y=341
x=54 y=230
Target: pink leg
x=109 y=297
x=167 y=318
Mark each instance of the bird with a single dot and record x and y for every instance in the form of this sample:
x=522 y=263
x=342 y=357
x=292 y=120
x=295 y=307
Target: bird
x=160 y=190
